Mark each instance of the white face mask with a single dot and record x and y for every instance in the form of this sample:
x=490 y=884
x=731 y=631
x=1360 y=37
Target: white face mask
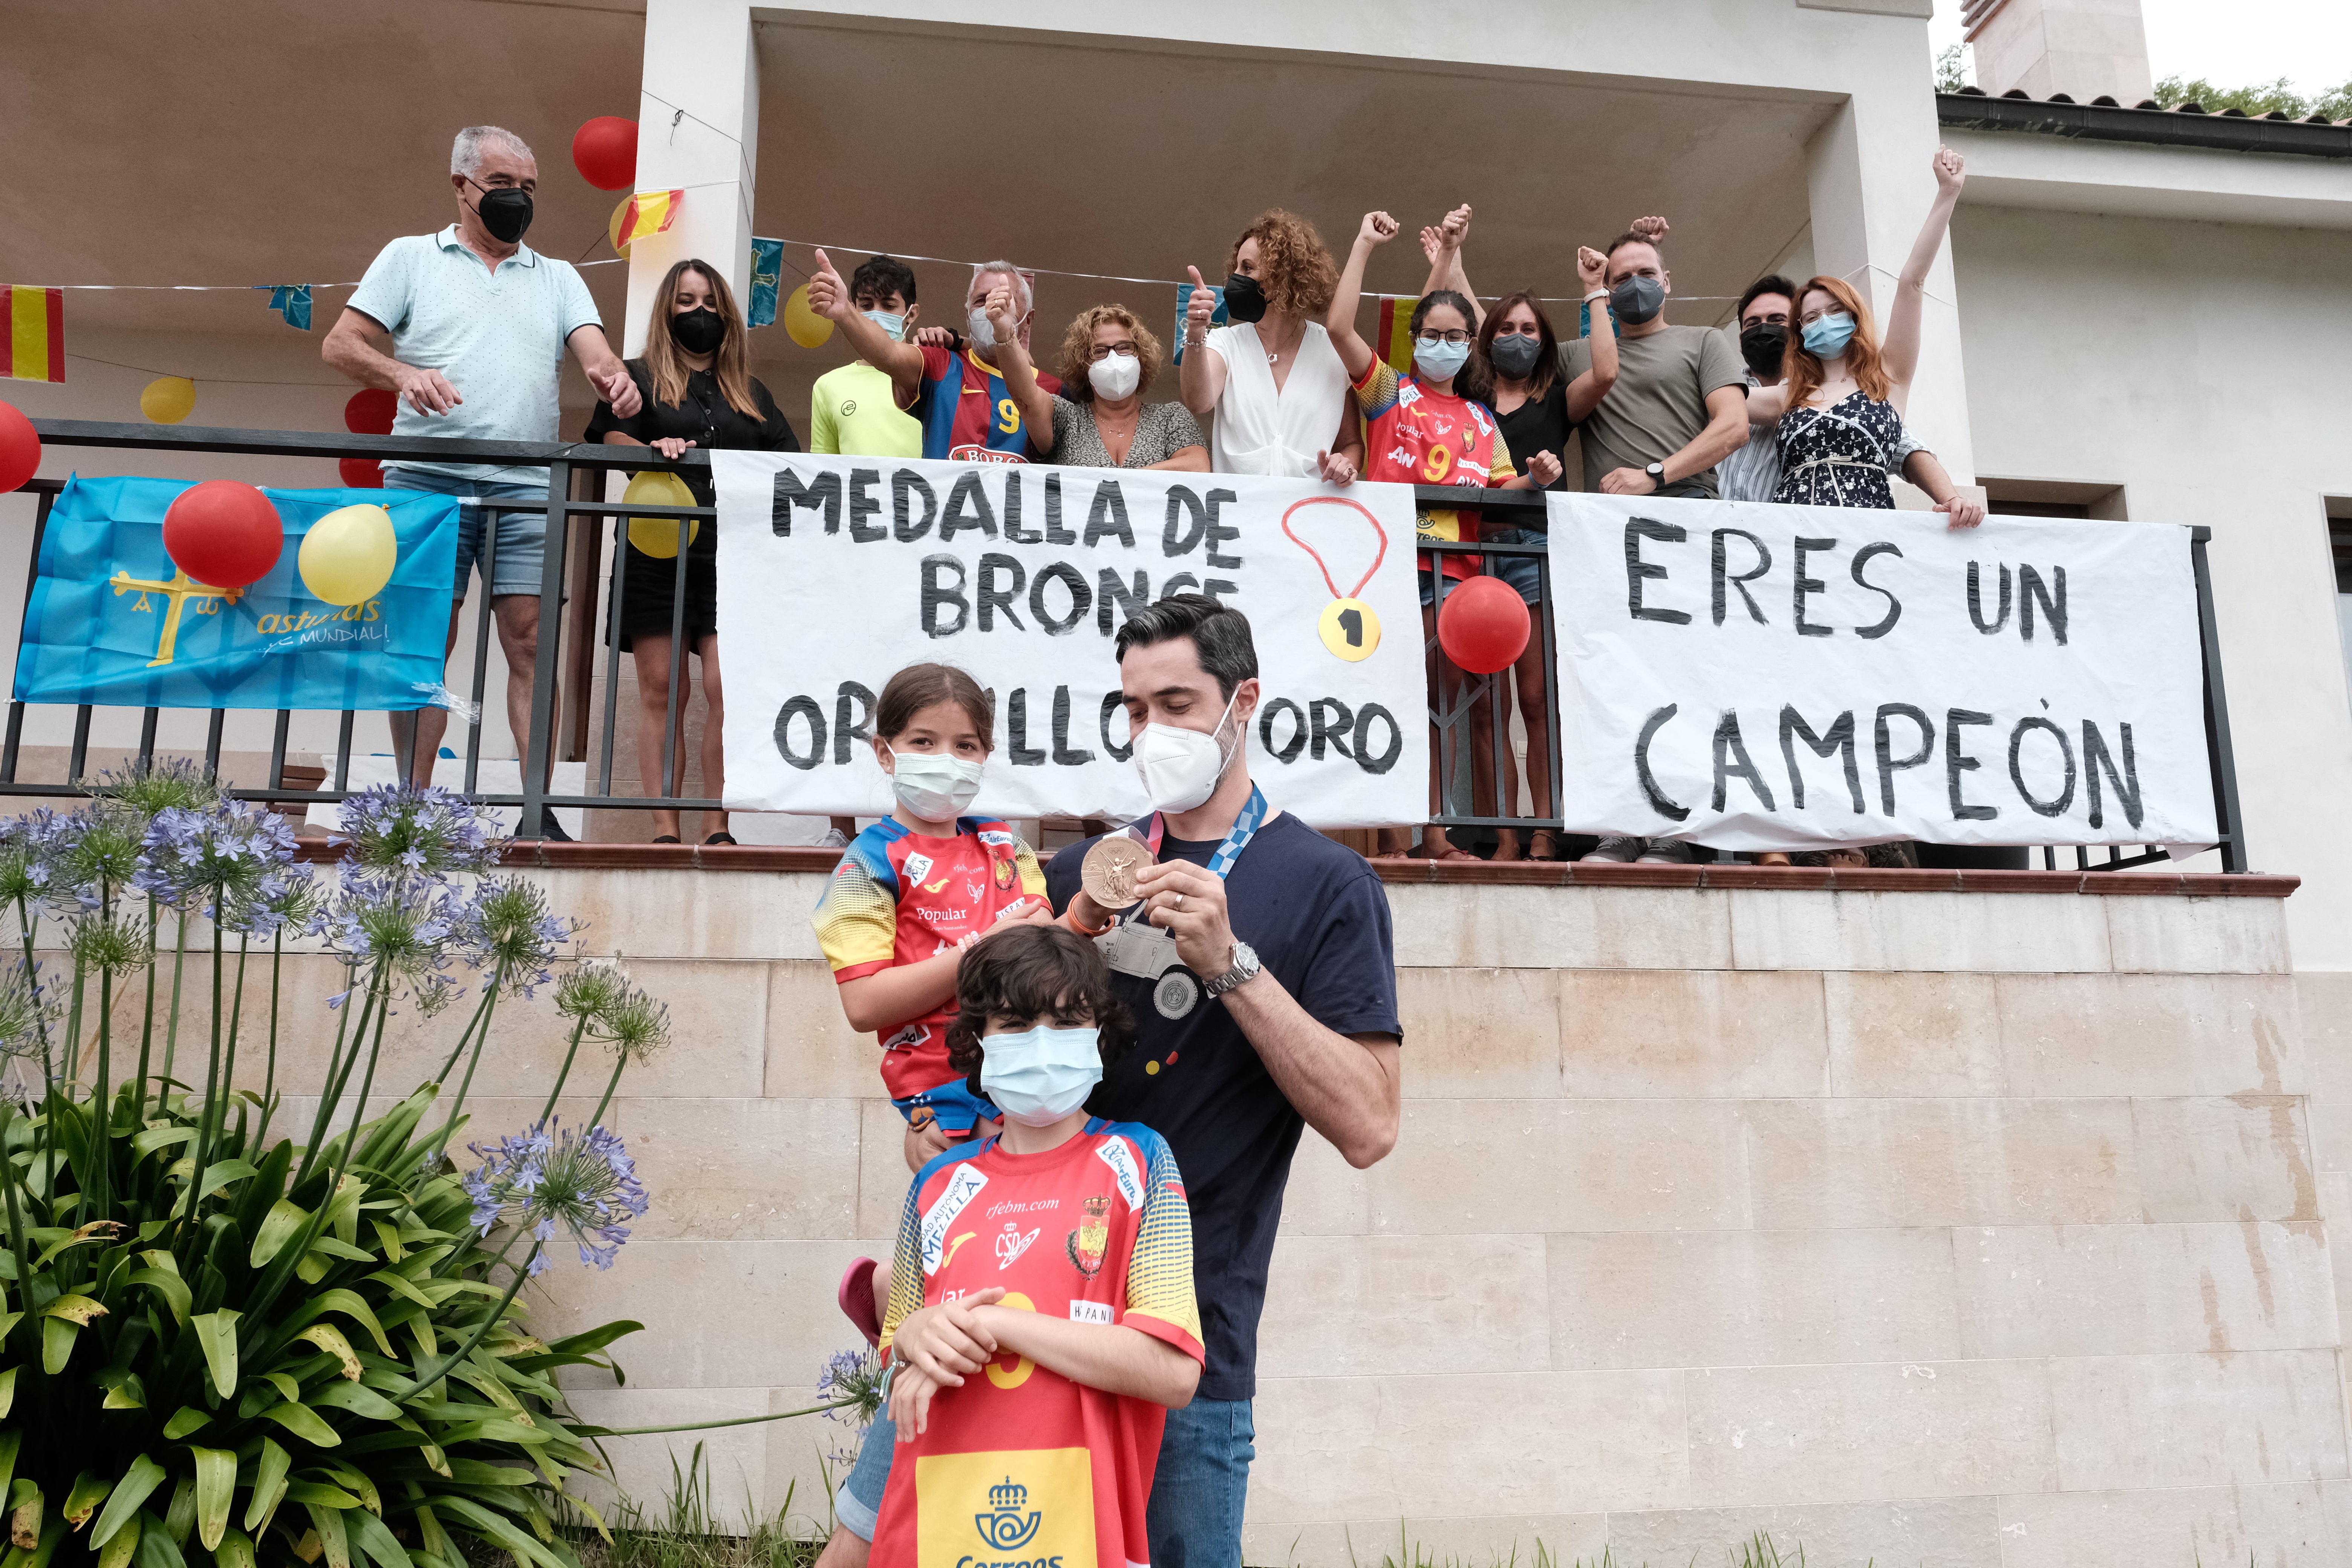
x=932 y=785
x=981 y=331
x=1181 y=767
x=1116 y=375
x=1041 y=1075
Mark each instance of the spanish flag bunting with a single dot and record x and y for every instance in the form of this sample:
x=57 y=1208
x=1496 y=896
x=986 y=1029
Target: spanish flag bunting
x=647 y=212
x=1395 y=341
x=32 y=333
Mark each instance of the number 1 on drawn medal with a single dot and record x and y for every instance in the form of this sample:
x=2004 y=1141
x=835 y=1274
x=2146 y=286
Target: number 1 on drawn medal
x=1348 y=625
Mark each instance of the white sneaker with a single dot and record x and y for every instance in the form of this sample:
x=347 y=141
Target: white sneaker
x=834 y=838
x=1666 y=852
x=1616 y=847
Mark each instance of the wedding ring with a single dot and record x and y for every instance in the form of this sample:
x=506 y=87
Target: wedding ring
x=1178 y=903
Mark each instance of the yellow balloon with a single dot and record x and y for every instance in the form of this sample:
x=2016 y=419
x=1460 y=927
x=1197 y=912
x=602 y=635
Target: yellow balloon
x=807 y=328
x=657 y=536
x=613 y=228
x=168 y=400
x=348 y=555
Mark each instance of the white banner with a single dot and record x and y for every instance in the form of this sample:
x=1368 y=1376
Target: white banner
x=1791 y=677
x=836 y=572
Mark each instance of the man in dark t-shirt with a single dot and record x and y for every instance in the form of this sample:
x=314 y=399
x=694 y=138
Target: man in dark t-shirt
x=1272 y=1009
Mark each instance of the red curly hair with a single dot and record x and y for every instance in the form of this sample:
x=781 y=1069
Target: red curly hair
x=1294 y=268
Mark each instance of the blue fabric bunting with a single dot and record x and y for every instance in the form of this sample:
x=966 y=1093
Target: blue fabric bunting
x=292 y=300
x=767 y=272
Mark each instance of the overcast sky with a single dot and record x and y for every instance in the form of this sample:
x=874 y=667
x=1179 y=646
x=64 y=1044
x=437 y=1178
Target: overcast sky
x=2309 y=42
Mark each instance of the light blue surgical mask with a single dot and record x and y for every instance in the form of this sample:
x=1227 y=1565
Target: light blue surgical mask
x=1041 y=1075
x=1826 y=336
x=1439 y=361
x=893 y=326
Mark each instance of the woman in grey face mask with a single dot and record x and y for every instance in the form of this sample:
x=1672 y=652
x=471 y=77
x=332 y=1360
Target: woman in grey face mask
x=1515 y=369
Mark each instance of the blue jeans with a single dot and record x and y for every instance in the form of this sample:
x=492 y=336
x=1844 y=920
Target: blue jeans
x=1195 y=1517
x=521 y=536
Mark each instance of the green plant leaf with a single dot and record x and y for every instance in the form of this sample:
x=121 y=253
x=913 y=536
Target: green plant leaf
x=156 y=1547
x=121 y=1545
x=7 y=1390
x=187 y=1420
x=318 y=1494
x=286 y=1219
x=372 y=1539
x=329 y=1523
x=387 y=1236
x=304 y=1423
x=216 y=1333
x=128 y=1394
x=79 y=1309
x=57 y=1335
x=89 y=1492
x=352 y=1305
x=216 y=1489
x=268 y=1485
x=474 y=1472
x=357 y=1398
x=25 y=1503
x=596 y=1339
x=182 y=1517
x=235 y=1551
x=9 y=1441
x=499 y=1529
x=331 y=1339
x=145 y=1143
x=283 y=1383
x=168 y=1286
x=137 y=1482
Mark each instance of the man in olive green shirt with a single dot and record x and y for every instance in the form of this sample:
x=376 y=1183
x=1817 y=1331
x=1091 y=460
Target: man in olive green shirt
x=853 y=411
x=1680 y=403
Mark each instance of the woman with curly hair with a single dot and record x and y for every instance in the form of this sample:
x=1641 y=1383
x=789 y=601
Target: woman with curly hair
x=1272 y=378
x=1108 y=361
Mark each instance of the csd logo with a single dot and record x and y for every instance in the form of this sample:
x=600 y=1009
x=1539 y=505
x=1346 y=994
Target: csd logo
x=1004 y=1526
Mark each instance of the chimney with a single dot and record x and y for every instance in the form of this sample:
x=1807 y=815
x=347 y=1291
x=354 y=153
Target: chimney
x=2083 y=48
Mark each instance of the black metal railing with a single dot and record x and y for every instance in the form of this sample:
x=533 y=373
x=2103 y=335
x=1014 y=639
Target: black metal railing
x=569 y=643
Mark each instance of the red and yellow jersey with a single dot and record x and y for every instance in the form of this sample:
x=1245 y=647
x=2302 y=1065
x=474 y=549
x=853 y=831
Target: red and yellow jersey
x=968 y=414
x=1415 y=437
x=1022 y=1464
x=899 y=898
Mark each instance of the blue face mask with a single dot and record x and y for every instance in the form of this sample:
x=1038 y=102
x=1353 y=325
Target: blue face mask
x=1041 y=1075
x=1439 y=361
x=893 y=326
x=1826 y=336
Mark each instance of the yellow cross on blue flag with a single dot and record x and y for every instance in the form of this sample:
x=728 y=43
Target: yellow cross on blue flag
x=292 y=300
x=111 y=620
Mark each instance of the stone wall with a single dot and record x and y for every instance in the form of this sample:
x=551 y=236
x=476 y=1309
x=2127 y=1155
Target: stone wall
x=1949 y=1228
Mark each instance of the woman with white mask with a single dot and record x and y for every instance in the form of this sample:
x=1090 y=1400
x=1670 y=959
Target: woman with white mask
x=1099 y=420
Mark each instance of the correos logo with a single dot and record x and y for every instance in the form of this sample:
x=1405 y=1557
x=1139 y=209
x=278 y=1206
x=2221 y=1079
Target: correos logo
x=1006 y=1526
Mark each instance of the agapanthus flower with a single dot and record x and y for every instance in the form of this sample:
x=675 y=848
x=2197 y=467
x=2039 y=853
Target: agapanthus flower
x=24 y=850
x=854 y=1376
x=27 y=1015
x=636 y=1027
x=159 y=784
x=228 y=853
x=405 y=830
x=591 y=988
x=540 y=1180
x=93 y=854
x=114 y=939
x=403 y=924
x=291 y=902
x=508 y=927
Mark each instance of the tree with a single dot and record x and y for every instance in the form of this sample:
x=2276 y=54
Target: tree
x=2267 y=98
x=1952 y=69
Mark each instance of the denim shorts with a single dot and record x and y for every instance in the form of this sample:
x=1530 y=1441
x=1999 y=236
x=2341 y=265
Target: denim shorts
x=521 y=535
x=1519 y=570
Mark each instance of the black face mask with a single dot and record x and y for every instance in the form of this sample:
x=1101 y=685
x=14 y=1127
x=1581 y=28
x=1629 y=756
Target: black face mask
x=1245 y=300
x=699 y=331
x=504 y=211
x=1516 y=354
x=1764 y=345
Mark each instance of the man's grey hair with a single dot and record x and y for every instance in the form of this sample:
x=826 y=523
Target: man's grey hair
x=1021 y=290
x=466 y=152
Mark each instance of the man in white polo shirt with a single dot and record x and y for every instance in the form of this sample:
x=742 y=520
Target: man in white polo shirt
x=477 y=323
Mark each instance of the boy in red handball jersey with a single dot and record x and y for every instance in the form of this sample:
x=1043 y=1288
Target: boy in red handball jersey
x=1418 y=430
x=1042 y=1319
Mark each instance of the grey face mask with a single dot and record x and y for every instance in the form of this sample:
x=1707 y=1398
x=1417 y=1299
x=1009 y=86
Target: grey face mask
x=1515 y=355
x=1637 y=299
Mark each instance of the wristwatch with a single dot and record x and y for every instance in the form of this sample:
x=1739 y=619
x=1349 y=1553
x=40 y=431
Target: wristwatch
x=1657 y=472
x=1244 y=970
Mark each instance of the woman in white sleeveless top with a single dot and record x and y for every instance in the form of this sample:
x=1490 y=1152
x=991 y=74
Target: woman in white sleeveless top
x=1272 y=379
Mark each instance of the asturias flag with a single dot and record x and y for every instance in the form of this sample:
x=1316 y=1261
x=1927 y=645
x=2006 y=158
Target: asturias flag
x=111 y=620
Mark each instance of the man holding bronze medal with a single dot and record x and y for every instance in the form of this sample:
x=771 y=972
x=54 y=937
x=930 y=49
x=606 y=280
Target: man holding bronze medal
x=1257 y=957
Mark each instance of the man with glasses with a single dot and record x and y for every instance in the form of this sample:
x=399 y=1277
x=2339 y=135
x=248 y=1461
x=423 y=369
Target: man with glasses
x=468 y=328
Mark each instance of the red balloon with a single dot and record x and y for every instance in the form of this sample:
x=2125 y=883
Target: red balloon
x=223 y=533
x=20 y=449
x=362 y=473
x=1483 y=626
x=369 y=412
x=605 y=151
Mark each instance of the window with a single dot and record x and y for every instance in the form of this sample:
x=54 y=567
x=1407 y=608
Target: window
x=2339 y=542
x=2054 y=498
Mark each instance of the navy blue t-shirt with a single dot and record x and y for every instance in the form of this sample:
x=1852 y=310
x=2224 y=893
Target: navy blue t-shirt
x=1314 y=910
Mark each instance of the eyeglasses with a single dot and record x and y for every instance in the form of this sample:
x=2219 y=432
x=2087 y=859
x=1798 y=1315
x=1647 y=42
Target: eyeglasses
x=1456 y=336
x=1104 y=351
x=1812 y=315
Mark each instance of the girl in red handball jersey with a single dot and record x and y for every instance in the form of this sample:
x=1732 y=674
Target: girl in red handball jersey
x=1041 y=1319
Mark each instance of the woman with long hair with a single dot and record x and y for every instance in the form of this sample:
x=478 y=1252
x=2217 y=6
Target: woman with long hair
x=1098 y=419
x=1837 y=413
x=1271 y=377
x=696 y=382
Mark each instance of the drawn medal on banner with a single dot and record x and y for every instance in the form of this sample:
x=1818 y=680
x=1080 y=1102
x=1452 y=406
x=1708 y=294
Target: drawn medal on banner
x=1347 y=626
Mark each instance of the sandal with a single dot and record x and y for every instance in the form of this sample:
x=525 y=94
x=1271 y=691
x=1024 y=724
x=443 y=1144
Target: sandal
x=720 y=838
x=1453 y=852
x=855 y=1296
x=667 y=839
x=1544 y=845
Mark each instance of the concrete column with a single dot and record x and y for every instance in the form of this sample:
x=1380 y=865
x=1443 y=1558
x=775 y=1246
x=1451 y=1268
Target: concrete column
x=1870 y=180
x=697 y=130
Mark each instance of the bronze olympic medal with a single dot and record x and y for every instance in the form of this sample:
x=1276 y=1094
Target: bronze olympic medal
x=1110 y=870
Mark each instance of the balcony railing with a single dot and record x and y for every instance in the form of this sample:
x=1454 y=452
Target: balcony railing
x=562 y=677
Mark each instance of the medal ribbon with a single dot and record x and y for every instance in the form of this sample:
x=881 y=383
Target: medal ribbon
x=1382 y=533
x=1149 y=831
